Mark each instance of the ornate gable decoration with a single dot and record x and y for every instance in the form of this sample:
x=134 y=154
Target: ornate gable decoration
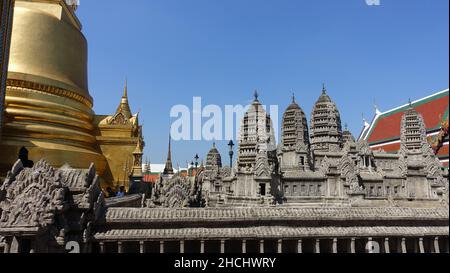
x=364 y=148
x=351 y=174
x=179 y=192
x=119 y=119
x=31 y=197
x=39 y=197
x=262 y=168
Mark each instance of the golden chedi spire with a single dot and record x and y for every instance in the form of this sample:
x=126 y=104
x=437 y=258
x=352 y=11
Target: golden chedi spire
x=48 y=108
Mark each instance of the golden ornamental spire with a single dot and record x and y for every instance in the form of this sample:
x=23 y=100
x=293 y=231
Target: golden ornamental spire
x=125 y=90
x=124 y=107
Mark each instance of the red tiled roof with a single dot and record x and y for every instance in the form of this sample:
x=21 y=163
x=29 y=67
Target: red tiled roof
x=151 y=178
x=443 y=152
x=384 y=132
x=386 y=127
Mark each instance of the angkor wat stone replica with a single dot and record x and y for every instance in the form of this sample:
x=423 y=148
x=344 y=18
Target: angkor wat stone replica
x=315 y=193
x=326 y=167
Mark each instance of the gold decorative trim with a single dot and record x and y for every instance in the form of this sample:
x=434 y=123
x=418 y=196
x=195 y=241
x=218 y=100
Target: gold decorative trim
x=50 y=89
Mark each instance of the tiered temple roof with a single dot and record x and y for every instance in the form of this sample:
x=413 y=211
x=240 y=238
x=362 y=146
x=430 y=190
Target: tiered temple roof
x=326 y=128
x=256 y=134
x=294 y=127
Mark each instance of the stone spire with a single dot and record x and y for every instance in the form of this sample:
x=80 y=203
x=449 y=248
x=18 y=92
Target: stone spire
x=213 y=159
x=295 y=145
x=413 y=133
x=347 y=136
x=256 y=134
x=168 y=170
x=294 y=128
x=326 y=128
x=124 y=107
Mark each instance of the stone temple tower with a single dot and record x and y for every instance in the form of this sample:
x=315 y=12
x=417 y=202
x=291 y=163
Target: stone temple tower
x=417 y=161
x=213 y=160
x=294 y=150
x=326 y=128
x=256 y=135
x=257 y=159
x=413 y=133
x=213 y=169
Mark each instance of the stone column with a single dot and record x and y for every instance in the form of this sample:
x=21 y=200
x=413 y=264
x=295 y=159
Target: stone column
x=317 y=248
x=6 y=250
x=119 y=247
x=421 y=246
x=386 y=246
x=370 y=239
x=102 y=247
x=300 y=246
x=436 y=245
x=244 y=246
x=141 y=247
x=161 y=247
x=14 y=247
x=261 y=246
x=404 y=250
x=182 y=247
x=352 y=246
x=335 y=245
x=202 y=246
x=280 y=246
x=222 y=246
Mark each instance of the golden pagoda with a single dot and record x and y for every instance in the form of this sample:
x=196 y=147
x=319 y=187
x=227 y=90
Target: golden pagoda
x=48 y=108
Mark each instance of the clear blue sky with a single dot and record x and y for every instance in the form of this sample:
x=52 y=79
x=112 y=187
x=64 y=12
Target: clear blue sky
x=221 y=50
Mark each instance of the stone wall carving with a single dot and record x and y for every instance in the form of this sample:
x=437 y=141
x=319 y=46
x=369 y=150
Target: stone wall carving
x=178 y=192
x=58 y=204
x=31 y=197
x=351 y=174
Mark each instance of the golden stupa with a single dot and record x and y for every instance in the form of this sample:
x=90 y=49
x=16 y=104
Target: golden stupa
x=48 y=108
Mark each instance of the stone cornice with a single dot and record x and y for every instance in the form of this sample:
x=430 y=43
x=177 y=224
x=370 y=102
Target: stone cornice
x=267 y=232
x=124 y=215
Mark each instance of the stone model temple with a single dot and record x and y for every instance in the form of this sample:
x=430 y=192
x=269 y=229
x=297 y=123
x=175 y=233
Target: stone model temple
x=317 y=191
x=288 y=198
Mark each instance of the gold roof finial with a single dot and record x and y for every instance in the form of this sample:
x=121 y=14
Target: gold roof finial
x=125 y=89
x=124 y=106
